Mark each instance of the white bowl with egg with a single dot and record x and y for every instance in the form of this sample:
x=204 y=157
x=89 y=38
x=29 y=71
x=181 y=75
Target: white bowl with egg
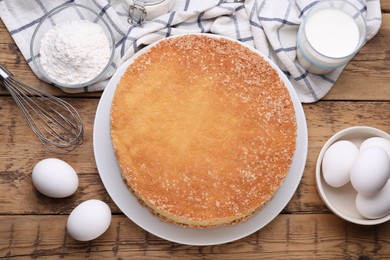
x=342 y=200
x=73 y=47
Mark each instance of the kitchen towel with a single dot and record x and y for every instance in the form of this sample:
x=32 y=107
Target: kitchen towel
x=269 y=26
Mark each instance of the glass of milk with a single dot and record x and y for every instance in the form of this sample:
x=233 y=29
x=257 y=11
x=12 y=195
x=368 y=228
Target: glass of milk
x=332 y=32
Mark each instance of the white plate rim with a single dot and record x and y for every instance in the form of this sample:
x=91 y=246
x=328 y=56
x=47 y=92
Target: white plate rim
x=110 y=174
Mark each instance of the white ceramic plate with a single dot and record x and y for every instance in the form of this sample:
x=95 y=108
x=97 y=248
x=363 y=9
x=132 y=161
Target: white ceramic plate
x=112 y=180
x=341 y=201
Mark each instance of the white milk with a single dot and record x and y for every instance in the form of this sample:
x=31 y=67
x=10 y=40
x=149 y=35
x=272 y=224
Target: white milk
x=328 y=39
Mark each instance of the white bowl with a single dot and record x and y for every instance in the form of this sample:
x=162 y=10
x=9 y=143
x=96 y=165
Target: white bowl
x=341 y=201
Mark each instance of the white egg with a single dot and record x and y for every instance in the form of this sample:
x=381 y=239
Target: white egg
x=375 y=206
x=337 y=162
x=376 y=141
x=370 y=170
x=89 y=220
x=55 y=178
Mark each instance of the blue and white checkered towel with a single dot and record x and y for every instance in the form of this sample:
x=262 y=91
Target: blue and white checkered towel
x=268 y=25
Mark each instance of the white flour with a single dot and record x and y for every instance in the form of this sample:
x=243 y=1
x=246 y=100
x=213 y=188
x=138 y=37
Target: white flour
x=74 y=52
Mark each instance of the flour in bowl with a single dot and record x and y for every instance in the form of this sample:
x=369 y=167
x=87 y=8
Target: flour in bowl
x=74 y=52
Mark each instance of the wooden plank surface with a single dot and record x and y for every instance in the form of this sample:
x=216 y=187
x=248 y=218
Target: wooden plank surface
x=33 y=226
x=289 y=236
x=19 y=197
x=22 y=204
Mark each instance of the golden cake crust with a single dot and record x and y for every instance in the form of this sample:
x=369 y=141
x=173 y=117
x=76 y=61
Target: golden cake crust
x=203 y=129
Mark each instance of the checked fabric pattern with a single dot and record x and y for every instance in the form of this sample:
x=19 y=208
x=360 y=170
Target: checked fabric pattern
x=270 y=26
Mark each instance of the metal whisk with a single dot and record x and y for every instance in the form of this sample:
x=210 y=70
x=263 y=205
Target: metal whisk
x=55 y=122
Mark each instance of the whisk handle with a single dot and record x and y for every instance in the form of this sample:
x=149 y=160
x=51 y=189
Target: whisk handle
x=4 y=73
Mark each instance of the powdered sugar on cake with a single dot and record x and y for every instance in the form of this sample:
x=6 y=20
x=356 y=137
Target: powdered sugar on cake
x=210 y=127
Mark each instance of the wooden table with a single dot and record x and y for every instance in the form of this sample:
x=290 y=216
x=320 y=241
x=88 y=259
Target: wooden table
x=34 y=226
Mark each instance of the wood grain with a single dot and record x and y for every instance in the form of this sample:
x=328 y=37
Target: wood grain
x=33 y=226
x=18 y=160
x=385 y=6
x=294 y=236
